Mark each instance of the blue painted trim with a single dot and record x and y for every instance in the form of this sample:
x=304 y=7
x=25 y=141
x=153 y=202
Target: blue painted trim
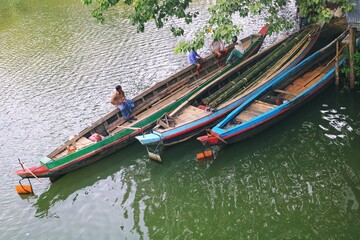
x=276 y=80
x=281 y=108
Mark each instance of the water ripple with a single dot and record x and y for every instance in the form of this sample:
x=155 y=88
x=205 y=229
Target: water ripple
x=295 y=181
x=337 y=125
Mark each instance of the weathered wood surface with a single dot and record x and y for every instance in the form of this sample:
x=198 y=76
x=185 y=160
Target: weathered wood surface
x=255 y=109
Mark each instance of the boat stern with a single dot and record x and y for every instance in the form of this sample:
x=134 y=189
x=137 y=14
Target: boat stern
x=38 y=171
x=211 y=138
x=149 y=139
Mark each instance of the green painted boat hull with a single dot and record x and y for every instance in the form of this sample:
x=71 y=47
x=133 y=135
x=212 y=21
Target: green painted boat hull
x=54 y=169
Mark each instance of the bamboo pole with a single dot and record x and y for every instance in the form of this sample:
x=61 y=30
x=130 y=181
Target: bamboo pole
x=337 y=79
x=132 y=128
x=351 y=59
x=256 y=71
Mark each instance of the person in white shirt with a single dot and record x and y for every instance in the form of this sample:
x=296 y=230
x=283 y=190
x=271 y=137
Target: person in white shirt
x=237 y=52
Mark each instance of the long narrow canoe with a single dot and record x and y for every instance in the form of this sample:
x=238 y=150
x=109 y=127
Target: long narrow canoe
x=276 y=100
x=207 y=107
x=150 y=105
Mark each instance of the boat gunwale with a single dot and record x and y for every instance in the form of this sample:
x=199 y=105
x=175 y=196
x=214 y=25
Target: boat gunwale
x=258 y=41
x=222 y=78
x=114 y=112
x=292 y=103
x=174 y=131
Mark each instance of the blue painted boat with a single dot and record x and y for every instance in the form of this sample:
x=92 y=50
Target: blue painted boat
x=277 y=99
x=193 y=116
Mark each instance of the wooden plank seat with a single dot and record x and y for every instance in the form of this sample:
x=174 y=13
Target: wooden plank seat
x=285 y=92
x=310 y=75
x=191 y=113
x=264 y=105
x=302 y=83
x=79 y=144
x=83 y=142
x=166 y=122
x=314 y=80
x=255 y=109
x=294 y=88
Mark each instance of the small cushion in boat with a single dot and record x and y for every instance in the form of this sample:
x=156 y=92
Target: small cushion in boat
x=96 y=137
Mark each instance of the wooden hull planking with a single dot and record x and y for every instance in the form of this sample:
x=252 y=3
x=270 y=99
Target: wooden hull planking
x=182 y=132
x=304 y=86
x=60 y=163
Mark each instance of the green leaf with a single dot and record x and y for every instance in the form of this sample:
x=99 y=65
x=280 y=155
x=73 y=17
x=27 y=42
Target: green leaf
x=221 y=15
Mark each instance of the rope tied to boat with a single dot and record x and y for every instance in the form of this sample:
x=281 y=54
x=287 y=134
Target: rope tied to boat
x=27 y=189
x=28 y=170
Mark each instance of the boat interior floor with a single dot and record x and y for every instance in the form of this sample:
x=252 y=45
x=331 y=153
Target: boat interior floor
x=139 y=114
x=302 y=83
x=255 y=109
x=267 y=102
x=154 y=108
x=189 y=114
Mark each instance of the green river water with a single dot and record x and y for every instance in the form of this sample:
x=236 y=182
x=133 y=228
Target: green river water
x=300 y=179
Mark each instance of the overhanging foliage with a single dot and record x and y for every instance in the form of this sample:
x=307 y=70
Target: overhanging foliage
x=220 y=24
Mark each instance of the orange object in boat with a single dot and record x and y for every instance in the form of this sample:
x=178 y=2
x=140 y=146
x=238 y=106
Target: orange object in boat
x=71 y=149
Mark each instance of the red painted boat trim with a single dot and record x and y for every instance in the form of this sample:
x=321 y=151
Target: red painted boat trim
x=42 y=171
x=197 y=126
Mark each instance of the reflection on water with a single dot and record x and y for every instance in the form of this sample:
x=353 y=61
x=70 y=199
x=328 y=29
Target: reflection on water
x=262 y=188
x=299 y=179
x=339 y=125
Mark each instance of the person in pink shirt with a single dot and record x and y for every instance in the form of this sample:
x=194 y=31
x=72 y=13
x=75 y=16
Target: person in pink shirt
x=218 y=48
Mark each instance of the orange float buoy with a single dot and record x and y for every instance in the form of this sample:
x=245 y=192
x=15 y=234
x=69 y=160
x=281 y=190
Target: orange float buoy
x=24 y=189
x=205 y=155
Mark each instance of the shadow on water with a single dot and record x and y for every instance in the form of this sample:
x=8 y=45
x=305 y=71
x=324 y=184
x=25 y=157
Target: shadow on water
x=295 y=129
x=328 y=33
x=86 y=177
x=276 y=135
x=277 y=176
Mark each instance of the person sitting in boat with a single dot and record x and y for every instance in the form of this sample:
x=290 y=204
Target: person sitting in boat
x=124 y=105
x=195 y=59
x=237 y=52
x=218 y=48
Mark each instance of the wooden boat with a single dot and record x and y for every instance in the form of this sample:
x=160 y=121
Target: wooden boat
x=115 y=133
x=194 y=116
x=277 y=99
